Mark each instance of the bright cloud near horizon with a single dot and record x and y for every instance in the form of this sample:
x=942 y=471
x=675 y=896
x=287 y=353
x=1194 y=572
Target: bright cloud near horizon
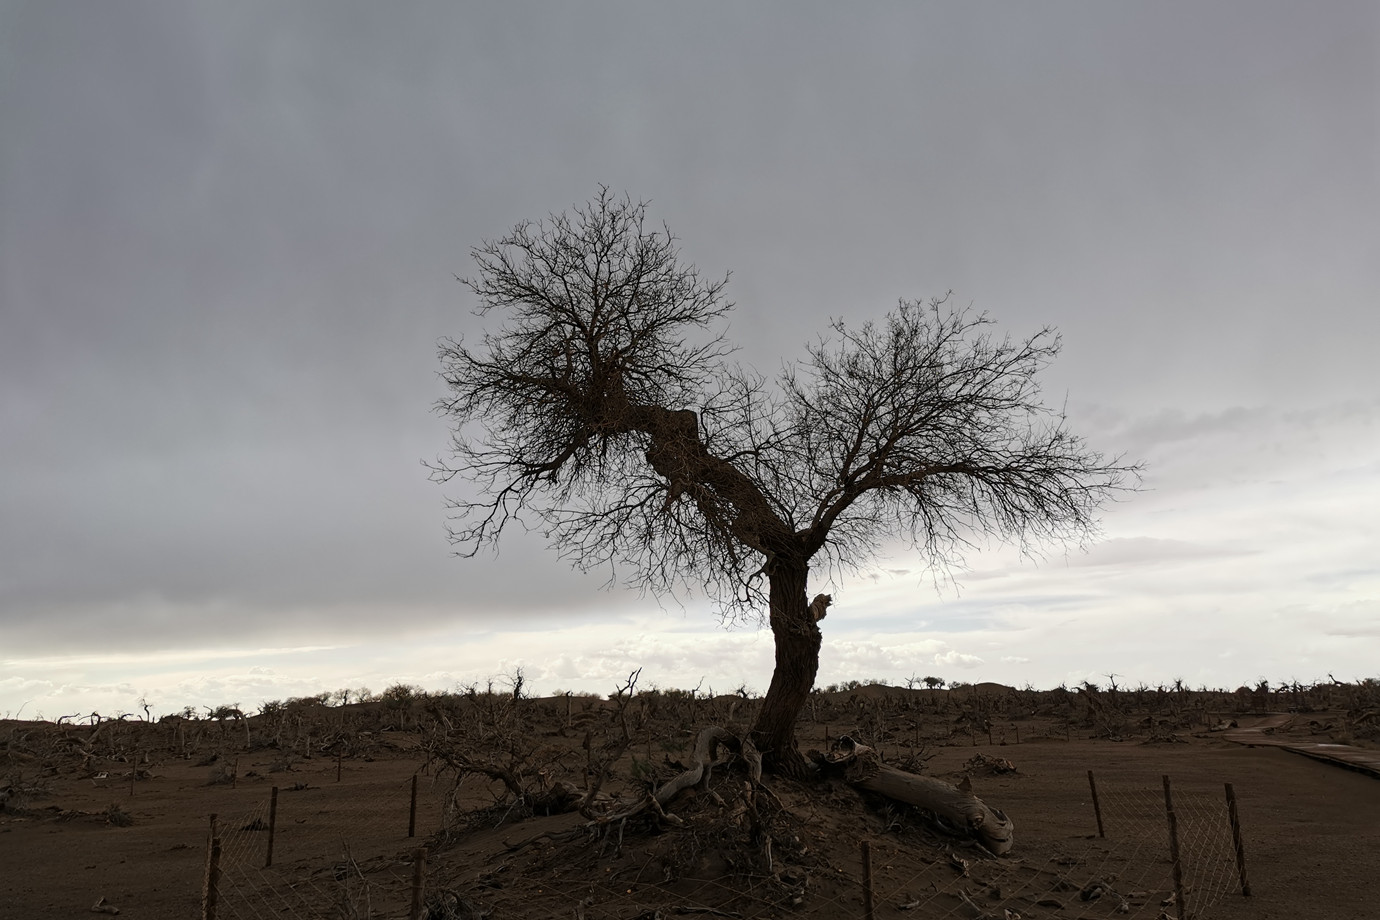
x=228 y=241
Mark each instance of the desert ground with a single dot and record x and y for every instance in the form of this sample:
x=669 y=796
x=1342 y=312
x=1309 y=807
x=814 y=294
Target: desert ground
x=115 y=815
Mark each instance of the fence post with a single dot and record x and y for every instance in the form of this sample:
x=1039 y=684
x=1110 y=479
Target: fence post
x=867 y=879
x=211 y=894
x=418 y=878
x=338 y=755
x=272 y=825
x=1097 y=806
x=1236 y=841
x=1180 y=908
x=412 y=810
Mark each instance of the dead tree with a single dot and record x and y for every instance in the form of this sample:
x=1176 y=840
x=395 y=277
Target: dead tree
x=600 y=404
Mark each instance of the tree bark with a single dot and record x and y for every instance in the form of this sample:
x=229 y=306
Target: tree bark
x=797 y=635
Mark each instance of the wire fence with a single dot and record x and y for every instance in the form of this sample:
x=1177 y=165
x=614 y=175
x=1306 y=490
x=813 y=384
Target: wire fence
x=1151 y=851
x=298 y=853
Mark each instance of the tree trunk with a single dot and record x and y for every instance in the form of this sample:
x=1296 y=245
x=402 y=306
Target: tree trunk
x=797 y=635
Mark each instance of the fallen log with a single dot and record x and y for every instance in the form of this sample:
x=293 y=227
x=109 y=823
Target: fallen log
x=955 y=806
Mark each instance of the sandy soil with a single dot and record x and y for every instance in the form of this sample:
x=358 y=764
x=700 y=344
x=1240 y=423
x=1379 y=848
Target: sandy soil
x=74 y=832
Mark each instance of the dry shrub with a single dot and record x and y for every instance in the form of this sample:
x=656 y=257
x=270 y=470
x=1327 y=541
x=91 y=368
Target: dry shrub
x=13 y=801
x=984 y=765
x=222 y=774
x=448 y=905
x=117 y=816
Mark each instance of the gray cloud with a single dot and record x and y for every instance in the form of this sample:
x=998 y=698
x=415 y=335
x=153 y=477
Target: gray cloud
x=228 y=232
x=1148 y=551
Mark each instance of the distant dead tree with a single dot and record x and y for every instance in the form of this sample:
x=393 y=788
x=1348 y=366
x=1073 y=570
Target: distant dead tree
x=600 y=405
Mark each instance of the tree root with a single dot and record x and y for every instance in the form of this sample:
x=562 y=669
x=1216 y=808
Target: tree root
x=711 y=739
x=857 y=764
x=706 y=757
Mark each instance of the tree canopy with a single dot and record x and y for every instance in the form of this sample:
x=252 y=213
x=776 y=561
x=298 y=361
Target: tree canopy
x=602 y=408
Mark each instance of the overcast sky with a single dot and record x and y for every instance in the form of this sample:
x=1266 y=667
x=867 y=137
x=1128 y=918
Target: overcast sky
x=228 y=240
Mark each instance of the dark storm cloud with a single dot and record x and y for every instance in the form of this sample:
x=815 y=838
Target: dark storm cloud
x=227 y=233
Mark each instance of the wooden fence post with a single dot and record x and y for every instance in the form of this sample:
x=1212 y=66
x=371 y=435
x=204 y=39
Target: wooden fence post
x=1181 y=909
x=272 y=825
x=867 y=880
x=210 y=895
x=1097 y=806
x=418 y=880
x=412 y=810
x=1236 y=841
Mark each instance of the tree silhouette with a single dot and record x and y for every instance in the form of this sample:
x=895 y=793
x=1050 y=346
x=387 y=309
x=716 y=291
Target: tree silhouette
x=601 y=405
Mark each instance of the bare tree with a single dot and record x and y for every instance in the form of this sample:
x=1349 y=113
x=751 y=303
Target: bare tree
x=602 y=405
